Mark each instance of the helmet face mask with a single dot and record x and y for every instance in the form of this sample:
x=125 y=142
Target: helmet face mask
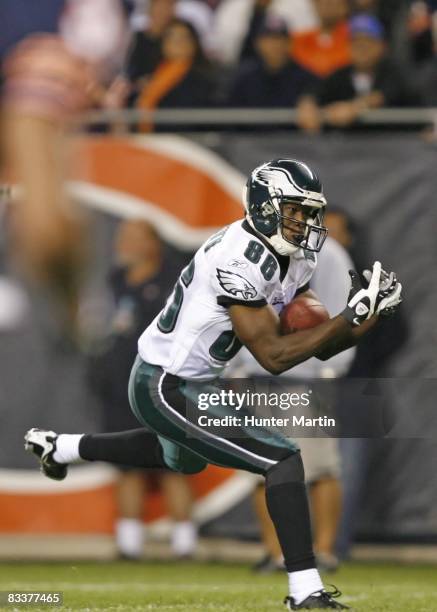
x=285 y=203
x=307 y=233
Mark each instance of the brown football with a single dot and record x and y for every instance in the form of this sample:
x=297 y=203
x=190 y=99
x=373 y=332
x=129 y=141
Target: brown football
x=302 y=313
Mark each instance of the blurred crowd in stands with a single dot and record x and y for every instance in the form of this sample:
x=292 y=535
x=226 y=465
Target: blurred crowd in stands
x=332 y=60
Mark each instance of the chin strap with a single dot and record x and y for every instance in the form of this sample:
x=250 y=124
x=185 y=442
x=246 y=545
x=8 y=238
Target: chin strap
x=281 y=246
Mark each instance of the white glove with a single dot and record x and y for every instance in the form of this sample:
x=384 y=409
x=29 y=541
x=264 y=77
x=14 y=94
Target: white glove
x=363 y=301
x=389 y=295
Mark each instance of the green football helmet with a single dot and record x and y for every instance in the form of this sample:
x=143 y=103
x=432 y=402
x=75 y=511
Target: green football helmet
x=279 y=182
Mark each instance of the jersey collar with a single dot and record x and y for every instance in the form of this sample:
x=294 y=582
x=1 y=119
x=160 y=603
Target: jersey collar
x=283 y=260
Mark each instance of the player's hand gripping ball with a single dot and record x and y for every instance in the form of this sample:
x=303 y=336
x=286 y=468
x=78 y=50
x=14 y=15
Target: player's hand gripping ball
x=302 y=313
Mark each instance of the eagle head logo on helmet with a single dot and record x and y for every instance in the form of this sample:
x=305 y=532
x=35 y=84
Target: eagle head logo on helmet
x=276 y=183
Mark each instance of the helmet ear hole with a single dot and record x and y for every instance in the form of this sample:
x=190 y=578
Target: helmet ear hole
x=267 y=225
x=267 y=220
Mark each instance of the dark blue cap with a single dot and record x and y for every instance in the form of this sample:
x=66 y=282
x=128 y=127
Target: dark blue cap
x=366 y=24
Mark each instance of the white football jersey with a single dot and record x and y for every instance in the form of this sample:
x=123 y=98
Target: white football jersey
x=192 y=337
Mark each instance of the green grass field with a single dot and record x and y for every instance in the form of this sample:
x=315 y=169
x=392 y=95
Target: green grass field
x=187 y=587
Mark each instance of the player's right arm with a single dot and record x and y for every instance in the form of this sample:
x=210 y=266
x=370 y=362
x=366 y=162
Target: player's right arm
x=258 y=330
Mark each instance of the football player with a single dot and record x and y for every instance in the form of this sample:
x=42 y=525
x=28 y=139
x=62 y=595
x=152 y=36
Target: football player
x=230 y=295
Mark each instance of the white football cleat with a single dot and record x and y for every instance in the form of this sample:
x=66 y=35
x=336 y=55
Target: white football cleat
x=42 y=443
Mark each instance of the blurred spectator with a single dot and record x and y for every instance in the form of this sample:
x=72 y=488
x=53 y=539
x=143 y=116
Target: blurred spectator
x=393 y=14
x=250 y=44
x=326 y=48
x=144 y=53
x=344 y=230
x=237 y=21
x=183 y=79
x=421 y=26
x=196 y=12
x=425 y=81
x=49 y=79
x=372 y=357
x=141 y=280
x=272 y=80
x=150 y=21
x=370 y=81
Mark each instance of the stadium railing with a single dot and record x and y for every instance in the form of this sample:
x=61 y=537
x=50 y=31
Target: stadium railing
x=236 y=117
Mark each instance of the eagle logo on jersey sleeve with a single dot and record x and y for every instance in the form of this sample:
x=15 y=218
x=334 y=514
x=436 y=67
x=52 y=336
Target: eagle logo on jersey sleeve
x=235 y=284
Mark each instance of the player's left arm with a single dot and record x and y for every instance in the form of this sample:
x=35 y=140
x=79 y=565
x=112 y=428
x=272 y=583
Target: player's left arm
x=341 y=343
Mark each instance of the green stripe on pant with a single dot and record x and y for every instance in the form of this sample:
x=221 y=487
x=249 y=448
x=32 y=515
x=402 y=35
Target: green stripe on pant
x=188 y=448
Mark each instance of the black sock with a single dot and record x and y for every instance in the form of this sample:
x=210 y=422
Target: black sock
x=134 y=448
x=288 y=507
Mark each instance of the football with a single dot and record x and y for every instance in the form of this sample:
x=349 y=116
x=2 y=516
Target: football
x=302 y=313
